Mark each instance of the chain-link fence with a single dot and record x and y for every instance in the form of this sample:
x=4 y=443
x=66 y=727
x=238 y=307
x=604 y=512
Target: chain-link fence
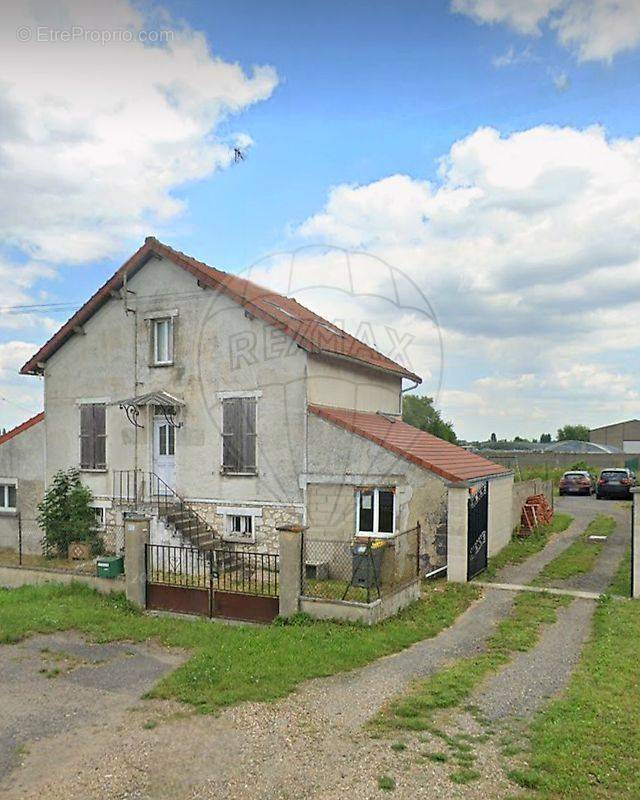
x=362 y=569
x=22 y=545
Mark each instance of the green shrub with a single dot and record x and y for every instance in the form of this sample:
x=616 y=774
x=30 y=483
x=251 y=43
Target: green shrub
x=65 y=515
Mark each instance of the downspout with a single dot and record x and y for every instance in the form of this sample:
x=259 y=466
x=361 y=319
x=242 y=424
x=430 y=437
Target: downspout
x=134 y=312
x=404 y=391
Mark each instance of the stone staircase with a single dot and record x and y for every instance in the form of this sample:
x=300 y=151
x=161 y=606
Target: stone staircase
x=147 y=493
x=192 y=527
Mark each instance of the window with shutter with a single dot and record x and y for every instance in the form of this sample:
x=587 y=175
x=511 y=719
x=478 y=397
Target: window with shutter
x=239 y=435
x=93 y=436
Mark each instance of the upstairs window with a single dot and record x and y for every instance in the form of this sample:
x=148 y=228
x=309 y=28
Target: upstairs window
x=375 y=512
x=93 y=436
x=8 y=497
x=162 y=344
x=239 y=435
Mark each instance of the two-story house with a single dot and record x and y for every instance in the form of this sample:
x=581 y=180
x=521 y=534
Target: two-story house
x=184 y=381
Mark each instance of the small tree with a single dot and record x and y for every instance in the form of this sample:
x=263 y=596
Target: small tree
x=545 y=438
x=421 y=413
x=65 y=514
x=573 y=432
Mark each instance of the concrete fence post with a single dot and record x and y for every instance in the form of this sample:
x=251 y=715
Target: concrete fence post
x=635 y=543
x=136 y=536
x=290 y=551
x=457 y=524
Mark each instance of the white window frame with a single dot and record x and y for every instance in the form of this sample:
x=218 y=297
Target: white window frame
x=375 y=490
x=155 y=323
x=5 y=483
x=229 y=513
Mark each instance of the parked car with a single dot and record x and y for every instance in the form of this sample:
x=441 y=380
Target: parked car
x=577 y=482
x=615 y=483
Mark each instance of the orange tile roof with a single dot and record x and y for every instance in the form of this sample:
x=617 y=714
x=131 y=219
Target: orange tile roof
x=21 y=428
x=427 y=451
x=309 y=330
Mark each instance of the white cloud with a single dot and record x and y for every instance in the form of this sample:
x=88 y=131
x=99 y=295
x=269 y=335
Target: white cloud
x=528 y=245
x=105 y=110
x=512 y=56
x=94 y=137
x=596 y=30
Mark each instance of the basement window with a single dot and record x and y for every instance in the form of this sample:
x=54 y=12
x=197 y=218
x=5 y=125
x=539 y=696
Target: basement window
x=100 y=523
x=240 y=527
x=8 y=497
x=375 y=512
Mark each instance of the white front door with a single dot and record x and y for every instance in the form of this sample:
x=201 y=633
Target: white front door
x=164 y=453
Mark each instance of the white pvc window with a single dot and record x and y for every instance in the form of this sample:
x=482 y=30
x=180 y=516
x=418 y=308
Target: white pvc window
x=163 y=341
x=375 y=512
x=8 y=497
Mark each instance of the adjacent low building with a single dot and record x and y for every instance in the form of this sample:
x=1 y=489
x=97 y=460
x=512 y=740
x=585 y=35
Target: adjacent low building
x=625 y=436
x=22 y=485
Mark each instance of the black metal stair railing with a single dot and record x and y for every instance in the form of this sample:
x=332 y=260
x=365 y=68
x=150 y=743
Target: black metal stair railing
x=149 y=490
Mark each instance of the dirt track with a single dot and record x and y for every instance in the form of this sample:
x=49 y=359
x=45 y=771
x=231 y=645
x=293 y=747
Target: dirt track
x=86 y=734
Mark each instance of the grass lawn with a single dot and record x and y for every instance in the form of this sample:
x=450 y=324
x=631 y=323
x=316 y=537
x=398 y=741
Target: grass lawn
x=335 y=590
x=586 y=746
x=520 y=548
x=231 y=663
x=621 y=584
x=580 y=556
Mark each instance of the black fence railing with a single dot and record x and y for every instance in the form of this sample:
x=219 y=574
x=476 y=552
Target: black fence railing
x=139 y=488
x=361 y=569
x=246 y=572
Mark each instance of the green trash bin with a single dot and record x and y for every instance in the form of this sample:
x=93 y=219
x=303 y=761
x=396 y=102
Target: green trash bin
x=110 y=566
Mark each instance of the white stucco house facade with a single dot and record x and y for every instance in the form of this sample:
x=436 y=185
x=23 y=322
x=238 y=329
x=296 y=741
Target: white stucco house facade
x=247 y=406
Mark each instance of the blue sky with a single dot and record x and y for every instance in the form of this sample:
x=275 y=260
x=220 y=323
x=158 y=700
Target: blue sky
x=351 y=112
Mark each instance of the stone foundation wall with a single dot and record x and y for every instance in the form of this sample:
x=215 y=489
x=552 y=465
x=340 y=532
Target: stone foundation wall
x=267 y=519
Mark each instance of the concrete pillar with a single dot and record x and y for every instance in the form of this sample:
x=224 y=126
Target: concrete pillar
x=635 y=543
x=136 y=536
x=290 y=550
x=457 y=520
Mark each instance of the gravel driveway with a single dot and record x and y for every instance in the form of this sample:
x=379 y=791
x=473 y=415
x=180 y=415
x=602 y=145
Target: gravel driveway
x=93 y=738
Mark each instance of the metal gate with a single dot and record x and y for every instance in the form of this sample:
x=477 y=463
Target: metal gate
x=477 y=530
x=232 y=584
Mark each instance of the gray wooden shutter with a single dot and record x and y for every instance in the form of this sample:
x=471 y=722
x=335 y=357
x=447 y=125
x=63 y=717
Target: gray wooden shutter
x=86 y=437
x=100 y=434
x=248 y=434
x=93 y=436
x=230 y=437
x=239 y=434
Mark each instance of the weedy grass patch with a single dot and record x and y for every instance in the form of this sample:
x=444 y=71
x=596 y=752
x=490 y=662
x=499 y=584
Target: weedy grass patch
x=581 y=555
x=522 y=547
x=586 y=746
